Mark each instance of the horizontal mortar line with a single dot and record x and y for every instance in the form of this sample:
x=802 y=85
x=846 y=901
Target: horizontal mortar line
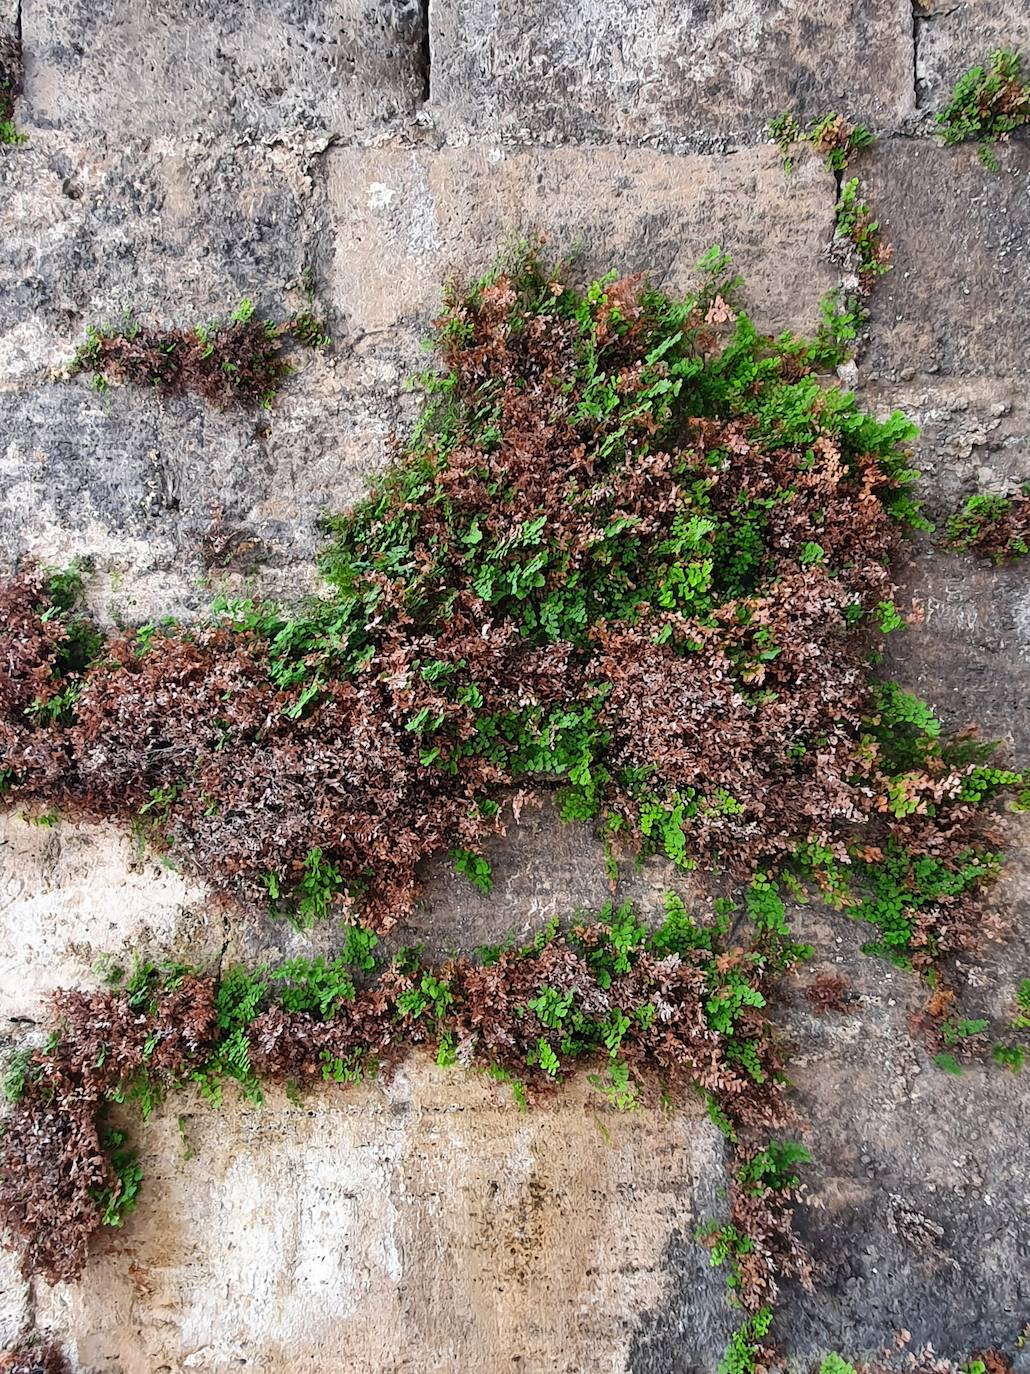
x=401 y=141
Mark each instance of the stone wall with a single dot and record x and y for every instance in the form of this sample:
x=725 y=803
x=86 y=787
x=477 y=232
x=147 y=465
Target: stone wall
x=182 y=155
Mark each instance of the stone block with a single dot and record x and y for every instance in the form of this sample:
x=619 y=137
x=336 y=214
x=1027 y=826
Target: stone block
x=166 y=496
x=252 y=70
x=173 y=237
x=406 y=220
x=919 y=1221
x=955 y=302
x=663 y=70
x=974 y=435
x=954 y=35
x=424 y=1224
x=70 y=893
x=970 y=657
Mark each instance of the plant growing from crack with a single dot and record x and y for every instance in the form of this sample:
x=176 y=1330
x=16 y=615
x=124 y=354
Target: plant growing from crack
x=240 y=362
x=831 y=136
x=10 y=85
x=988 y=104
x=992 y=526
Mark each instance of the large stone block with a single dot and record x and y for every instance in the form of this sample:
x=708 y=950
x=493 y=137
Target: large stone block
x=956 y=301
x=663 y=70
x=424 y=1224
x=255 y=69
x=918 y=1180
x=970 y=656
x=166 y=495
x=954 y=35
x=406 y=220
x=173 y=236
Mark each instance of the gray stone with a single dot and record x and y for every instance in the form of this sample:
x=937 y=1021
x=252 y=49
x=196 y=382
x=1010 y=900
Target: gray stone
x=667 y=70
x=255 y=69
x=906 y=1248
x=174 y=236
x=404 y=221
x=974 y=435
x=970 y=656
x=169 y=499
x=954 y=35
x=956 y=299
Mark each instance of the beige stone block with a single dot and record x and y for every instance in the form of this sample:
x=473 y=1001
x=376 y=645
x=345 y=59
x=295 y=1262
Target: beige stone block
x=405 y=220
x=71 y=893
x=420 y=1225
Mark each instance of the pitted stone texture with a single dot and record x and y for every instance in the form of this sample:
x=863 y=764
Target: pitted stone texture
x=176 y=495
x=70 y=893
x=956 y=301
x=663 y=70
x=425 y=1224
x=974 y=435
x=255 y=69
x=170 y=236
x=970 y=657
x=405 y=220
x=955 y=35
x=15 y=1301
x=920 y=1217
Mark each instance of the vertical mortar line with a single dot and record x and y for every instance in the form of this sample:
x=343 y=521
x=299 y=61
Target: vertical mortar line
x=917 y=22
x=426 y=54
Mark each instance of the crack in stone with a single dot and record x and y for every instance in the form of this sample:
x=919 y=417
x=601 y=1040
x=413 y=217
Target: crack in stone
x=918 y=20
x=426 y=58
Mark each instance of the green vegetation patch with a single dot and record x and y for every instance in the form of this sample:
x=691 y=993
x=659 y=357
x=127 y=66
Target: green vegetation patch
x=988 y=104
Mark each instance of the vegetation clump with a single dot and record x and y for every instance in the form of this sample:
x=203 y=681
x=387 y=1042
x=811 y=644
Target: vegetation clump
x=675 y=1010
x=10 y=85
x=45 y=1357
x=633 y=551
x=238 y=363
x=831 y=136
x=994 y=527
x=859 y=232
x=988 y=104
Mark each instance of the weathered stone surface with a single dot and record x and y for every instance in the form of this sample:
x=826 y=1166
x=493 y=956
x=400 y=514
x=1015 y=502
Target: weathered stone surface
x=405 y=220
x=970 y=657
x=974 y=435
x=170 y=235
x=637 y=69
x=920 y=1217
x=954 y=35
x=420 y=1225
x=71 y=893
x=254 y=69
x=179 y=497
x=956 y=299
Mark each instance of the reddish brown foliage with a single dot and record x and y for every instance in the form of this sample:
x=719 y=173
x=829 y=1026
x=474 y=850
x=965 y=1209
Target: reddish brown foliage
x=829 y=992
x=47 y=1358
x=56 y=1170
